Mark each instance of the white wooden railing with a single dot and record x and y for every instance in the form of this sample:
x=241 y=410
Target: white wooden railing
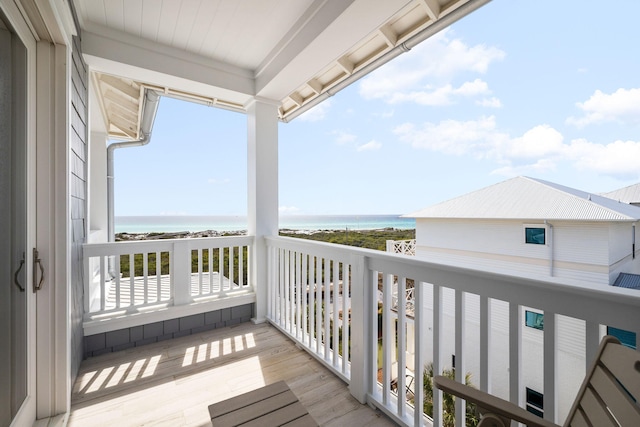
x=404 y=247
x=190 y=270
x=312 y=286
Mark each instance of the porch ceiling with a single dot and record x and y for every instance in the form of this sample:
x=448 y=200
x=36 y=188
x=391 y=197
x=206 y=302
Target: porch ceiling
x=288 y=51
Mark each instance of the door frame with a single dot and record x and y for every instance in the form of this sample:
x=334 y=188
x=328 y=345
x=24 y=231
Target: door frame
x=27 y=412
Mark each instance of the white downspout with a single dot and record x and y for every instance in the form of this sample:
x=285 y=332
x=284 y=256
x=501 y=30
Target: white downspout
x=149 y=109
x=551 y=260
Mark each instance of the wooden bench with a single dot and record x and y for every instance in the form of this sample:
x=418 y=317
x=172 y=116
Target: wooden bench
x=272 y=405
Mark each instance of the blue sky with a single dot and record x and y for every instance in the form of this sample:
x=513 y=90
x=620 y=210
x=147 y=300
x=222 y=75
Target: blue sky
x=548 y=89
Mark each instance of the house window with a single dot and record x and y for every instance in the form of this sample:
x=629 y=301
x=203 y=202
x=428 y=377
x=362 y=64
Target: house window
x=535 y=402
x=534 y=320
x=534 y=235
x=627 y=338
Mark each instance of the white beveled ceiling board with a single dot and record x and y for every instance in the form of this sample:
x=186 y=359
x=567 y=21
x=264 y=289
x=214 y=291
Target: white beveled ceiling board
x=241 y=33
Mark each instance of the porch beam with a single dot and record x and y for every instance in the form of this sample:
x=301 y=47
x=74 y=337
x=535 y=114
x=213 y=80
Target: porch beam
x=262 y=191
x=118 y=53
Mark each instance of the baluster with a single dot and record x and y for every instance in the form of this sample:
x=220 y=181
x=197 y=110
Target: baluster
x=132 y=276
x=118 y=273
x=485 y=339
x=241 y=266
x=103 y=283
x=550 y=333
x=200 y=284
x=437 y=353
x=419 y=331
x=304 y=295
x=327 y=302
x=145 y=276
x=515 y=351
x=158 y=276
x=460 y=368
x=311 y=294
x=231 y=275
x=318 y=304
x=346 y=321
x=402 y=341
x=336 y=318
x=298 y=290
x=387 y=340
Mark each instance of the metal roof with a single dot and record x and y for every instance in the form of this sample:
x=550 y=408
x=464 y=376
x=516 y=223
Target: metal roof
x=531 y=199
x=630 y=194
x=626 y=280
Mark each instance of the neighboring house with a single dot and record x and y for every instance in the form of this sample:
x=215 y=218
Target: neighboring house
x=534 y=229
x=630 y=194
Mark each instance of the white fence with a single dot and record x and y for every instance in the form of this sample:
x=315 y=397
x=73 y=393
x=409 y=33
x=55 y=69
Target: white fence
x=325 y=297
x=404 y=247
x=133 y=276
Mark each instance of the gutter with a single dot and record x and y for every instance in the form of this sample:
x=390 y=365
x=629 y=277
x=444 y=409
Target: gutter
x=149 y=109
x=409 y=44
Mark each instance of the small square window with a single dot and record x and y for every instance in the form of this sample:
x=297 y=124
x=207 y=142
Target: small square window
x=534 y=235
x=535 y=402
x=534 y=320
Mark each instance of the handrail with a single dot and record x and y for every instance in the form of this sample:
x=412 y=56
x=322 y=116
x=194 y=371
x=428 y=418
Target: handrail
x=165 y=273
x=312 y=285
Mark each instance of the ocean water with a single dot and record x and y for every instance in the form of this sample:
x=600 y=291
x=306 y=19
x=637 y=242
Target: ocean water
x=164 y=224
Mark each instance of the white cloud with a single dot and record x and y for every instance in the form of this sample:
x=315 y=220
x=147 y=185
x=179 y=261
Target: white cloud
x=443 y=95
x=369 y=146
x=537 y=142
x=317 y=113
x=619 y=158
x=452 y=136
x=621 y=106
x=437 y=61
x=288 y=209
x=218 y=181
x=540 y=149
x=343 y=137
x=492 y=102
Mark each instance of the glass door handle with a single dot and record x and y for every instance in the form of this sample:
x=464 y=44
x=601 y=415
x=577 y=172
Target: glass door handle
x=15 y=275
x=37 y=262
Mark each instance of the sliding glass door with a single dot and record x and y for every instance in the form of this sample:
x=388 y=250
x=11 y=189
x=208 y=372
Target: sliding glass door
x=16 y=298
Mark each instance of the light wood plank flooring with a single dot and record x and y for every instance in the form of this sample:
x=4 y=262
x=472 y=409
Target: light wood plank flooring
x=172 y=383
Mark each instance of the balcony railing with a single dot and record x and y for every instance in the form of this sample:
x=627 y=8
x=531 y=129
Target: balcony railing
x=127 y=278
x=405 y=247
x=325 y=297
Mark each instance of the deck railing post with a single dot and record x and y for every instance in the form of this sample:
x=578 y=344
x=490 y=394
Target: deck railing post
x=182 y=272
x=360 y=334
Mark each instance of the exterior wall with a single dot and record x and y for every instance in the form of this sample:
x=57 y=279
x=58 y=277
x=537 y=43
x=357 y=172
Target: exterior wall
x=621 y=238
x=122 y=339
x=78 y=202
x=579 y=250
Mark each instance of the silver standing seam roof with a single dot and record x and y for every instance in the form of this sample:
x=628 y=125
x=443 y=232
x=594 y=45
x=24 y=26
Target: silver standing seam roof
x=531 y=199
x=630 y=194
x=629 y=281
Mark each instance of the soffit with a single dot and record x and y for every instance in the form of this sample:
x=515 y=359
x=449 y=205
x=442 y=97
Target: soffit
x=288 y=51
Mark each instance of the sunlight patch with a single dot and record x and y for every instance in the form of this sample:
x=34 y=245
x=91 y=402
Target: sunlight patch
x=151 y=367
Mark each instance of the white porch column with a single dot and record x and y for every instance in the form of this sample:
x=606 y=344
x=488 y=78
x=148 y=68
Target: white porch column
x=262 y=183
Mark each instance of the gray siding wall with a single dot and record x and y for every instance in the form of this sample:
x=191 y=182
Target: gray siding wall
x=78 y=200
x=122 y=339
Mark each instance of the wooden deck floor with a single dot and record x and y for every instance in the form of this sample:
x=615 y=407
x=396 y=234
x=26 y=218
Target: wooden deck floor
x=172 y=383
